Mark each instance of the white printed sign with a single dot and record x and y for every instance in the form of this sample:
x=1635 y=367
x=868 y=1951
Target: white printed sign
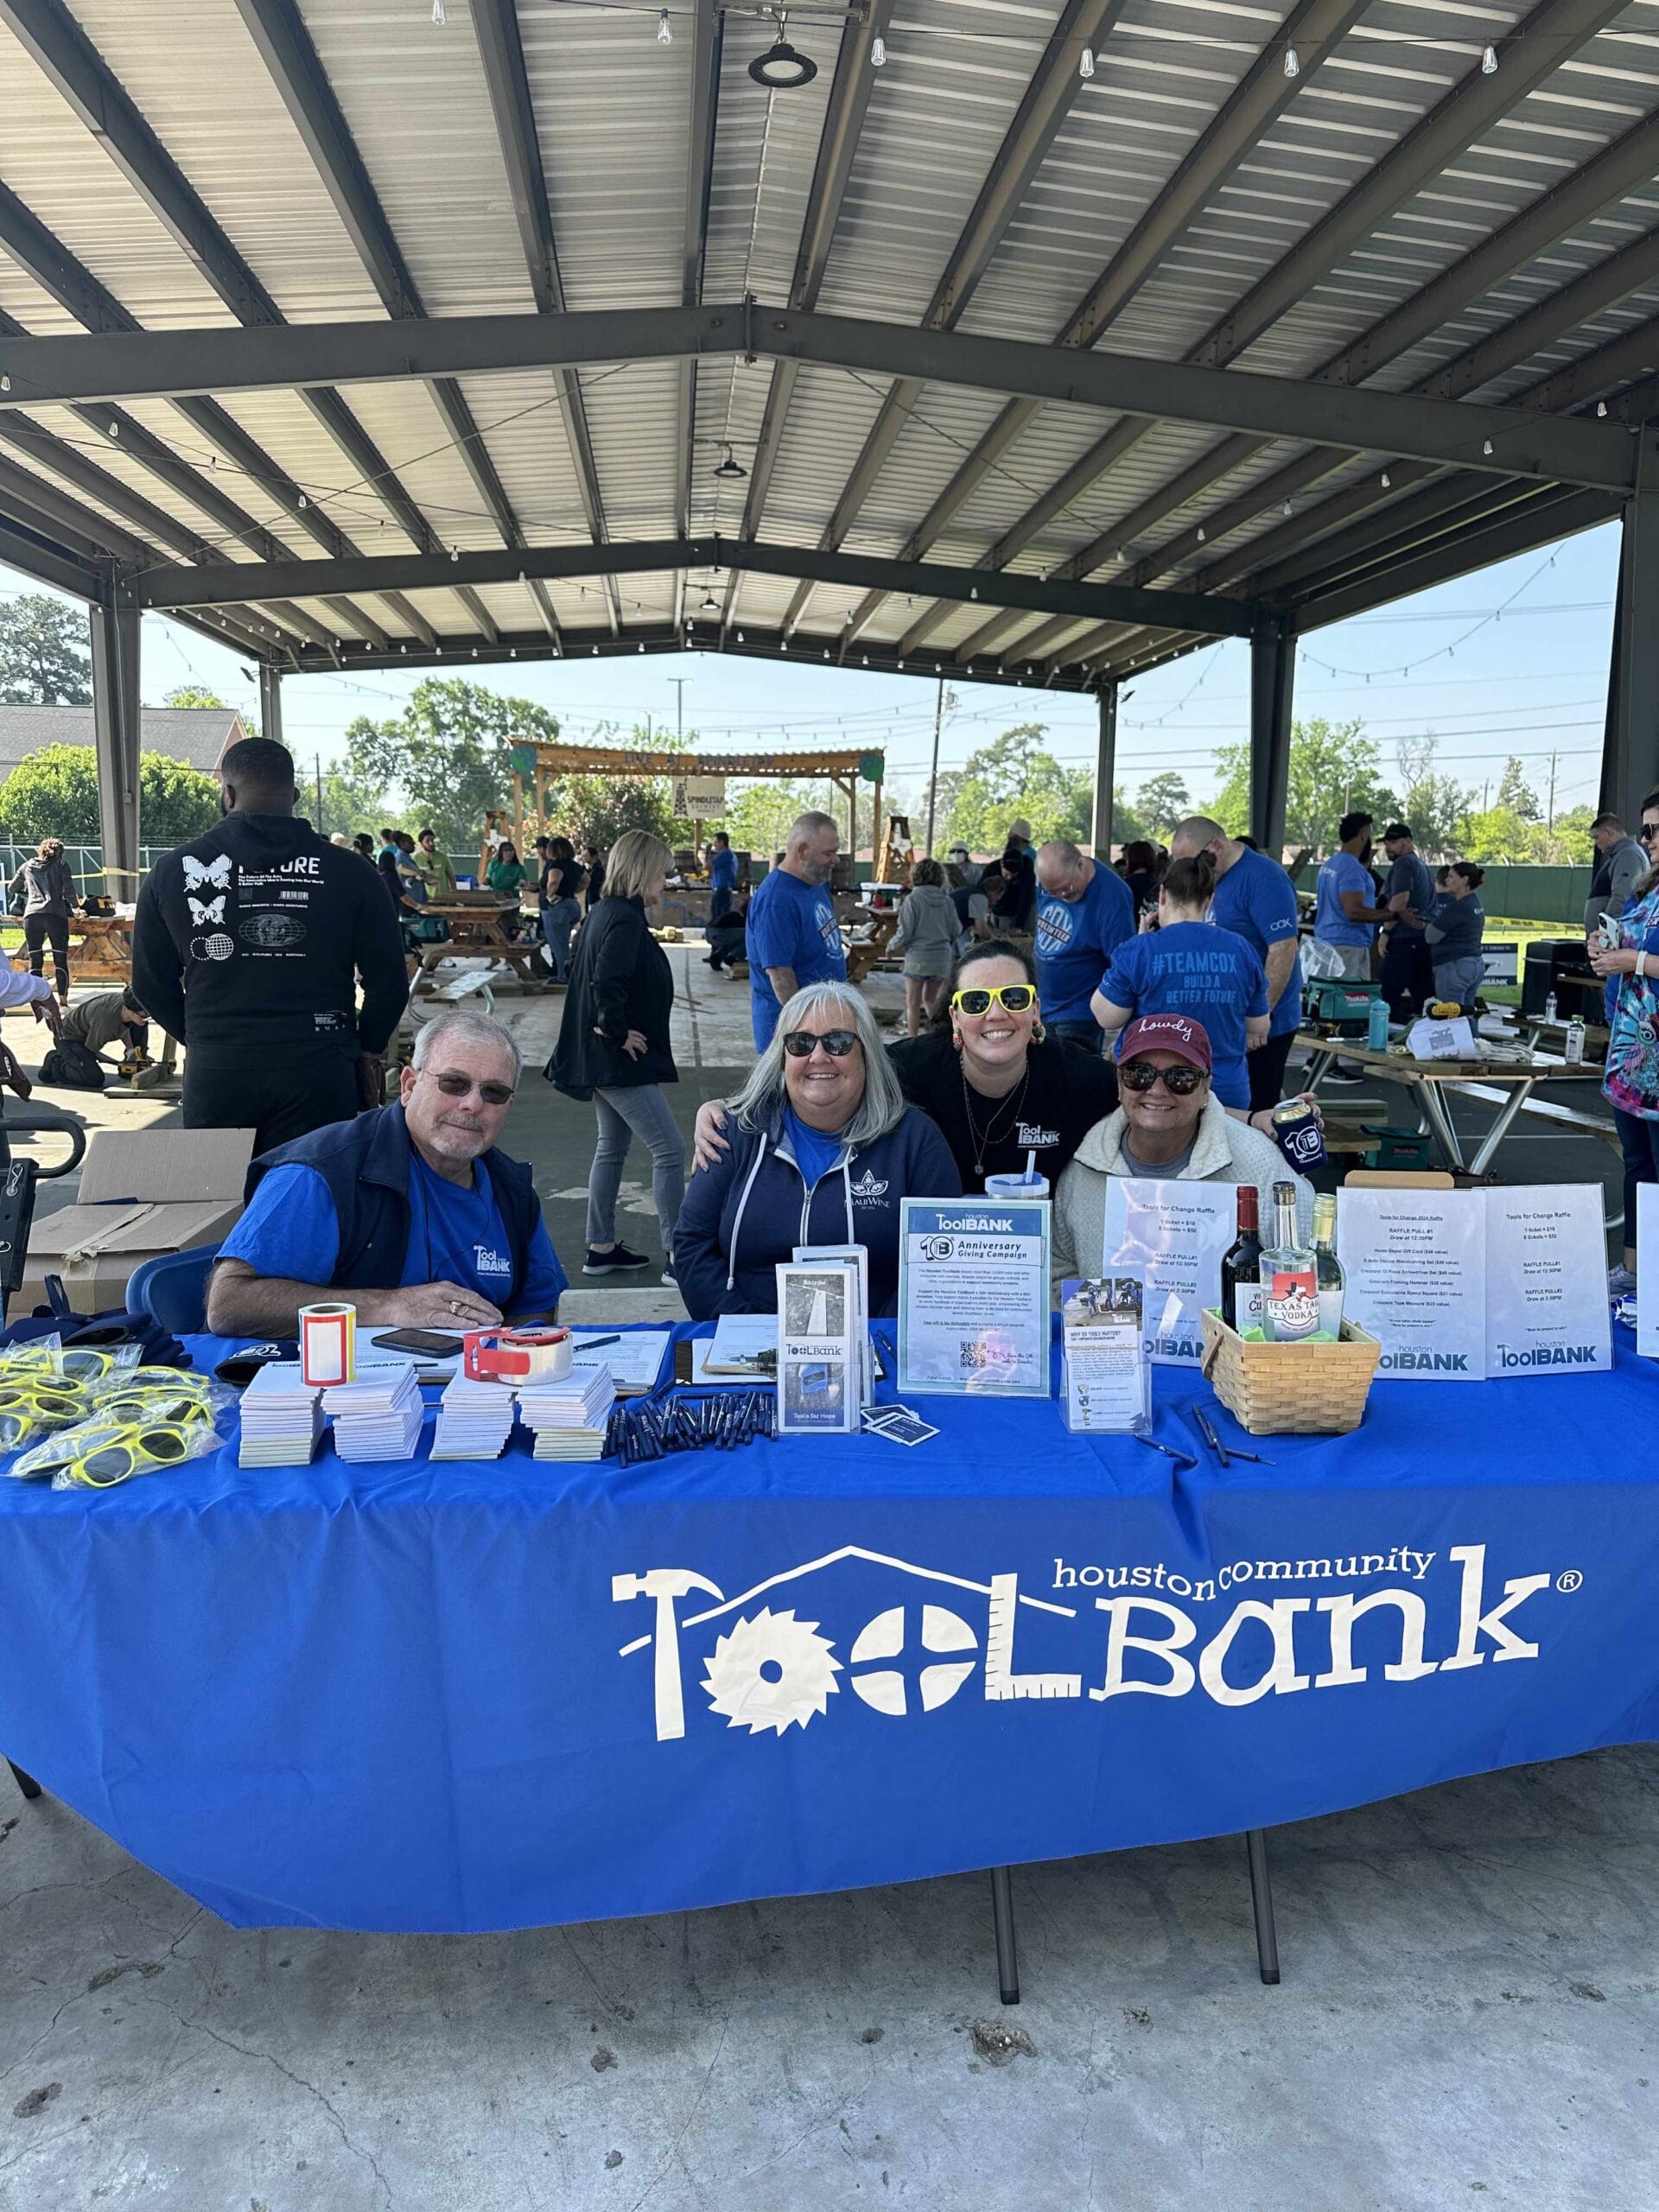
x=1172 y=1234
x=699 y=797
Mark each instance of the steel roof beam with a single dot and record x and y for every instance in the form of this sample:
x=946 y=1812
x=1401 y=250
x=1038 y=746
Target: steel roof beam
x=285 y=46
x=1454 y=433
x=843 y=120
x=1262 y=95
x=1055 y=84
x=199 y=586
x=501 y=52
x=1540 y=44
x=48 y=451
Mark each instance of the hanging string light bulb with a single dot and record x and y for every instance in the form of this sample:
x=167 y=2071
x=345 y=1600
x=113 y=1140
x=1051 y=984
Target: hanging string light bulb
x=1293 y=62
x=438 y=16
x=878 y=52
x=665 y=29
x=1086 y=63
x=1489 y=61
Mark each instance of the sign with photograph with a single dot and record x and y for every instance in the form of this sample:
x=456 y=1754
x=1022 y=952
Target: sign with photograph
x=973 y=1296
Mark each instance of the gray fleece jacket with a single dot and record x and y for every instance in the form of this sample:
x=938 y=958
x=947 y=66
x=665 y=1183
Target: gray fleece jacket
x=1227 y=1151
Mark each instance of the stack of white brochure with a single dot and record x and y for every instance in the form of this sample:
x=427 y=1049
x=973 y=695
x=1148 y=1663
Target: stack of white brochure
x=474 y=1420
x=569 y=1418
x=281 y=1418
x=377 y=1416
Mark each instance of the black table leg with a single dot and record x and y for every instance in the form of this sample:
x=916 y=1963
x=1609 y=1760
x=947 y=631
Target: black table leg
x=25 y=1782
x=1267 y=1940
x=1007 y=1966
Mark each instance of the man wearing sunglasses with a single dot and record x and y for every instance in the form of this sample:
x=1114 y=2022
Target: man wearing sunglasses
x=412 y=1211
x=1169 y=1128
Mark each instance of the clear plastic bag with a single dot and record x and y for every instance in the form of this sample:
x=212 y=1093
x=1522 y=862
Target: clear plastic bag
x=146 y=1421
x=46 y=1386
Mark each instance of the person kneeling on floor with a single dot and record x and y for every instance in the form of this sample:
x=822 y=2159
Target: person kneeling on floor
x=409 y=1209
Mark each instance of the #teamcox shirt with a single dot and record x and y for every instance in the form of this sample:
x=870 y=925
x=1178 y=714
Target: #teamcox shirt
x=790 y=925
x=1256 y=900
x=1206 y=974
x=1076 y=937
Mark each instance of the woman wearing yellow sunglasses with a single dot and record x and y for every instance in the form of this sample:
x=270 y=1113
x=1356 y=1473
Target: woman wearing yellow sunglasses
x=996 y=1086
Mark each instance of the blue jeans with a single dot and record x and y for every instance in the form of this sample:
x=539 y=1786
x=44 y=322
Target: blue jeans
x=1639 y=1142
x=559 y=917
x=720 y=902
x=1089 y=1034
x=627 y=1111
x=1459 y=979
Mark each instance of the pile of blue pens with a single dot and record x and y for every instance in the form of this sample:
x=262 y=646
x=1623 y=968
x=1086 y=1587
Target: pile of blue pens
x=649 y=1428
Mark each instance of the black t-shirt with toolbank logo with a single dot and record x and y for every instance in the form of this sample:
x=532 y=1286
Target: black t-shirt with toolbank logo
x=1067 y=1091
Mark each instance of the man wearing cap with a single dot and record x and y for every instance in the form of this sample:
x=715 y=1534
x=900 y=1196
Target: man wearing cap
x=1169 y=1127
x=1406 y=973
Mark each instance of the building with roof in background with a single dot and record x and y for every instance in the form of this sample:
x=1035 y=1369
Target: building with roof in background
x=199 y=735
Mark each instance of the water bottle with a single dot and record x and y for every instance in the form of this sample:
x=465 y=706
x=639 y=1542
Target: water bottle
x=1377 y=1035
x=1573 y=1051
x=1549 y=1007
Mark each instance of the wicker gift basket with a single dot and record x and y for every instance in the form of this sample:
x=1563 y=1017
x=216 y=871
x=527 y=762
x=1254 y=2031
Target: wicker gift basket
x=1291 y=1389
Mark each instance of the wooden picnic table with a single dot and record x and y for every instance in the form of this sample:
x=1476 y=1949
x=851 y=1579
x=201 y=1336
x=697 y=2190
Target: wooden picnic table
x=478 y=930
x=1508 y=1083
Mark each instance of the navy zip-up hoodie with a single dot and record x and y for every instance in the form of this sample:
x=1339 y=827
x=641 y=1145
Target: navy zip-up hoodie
x=752 y=1208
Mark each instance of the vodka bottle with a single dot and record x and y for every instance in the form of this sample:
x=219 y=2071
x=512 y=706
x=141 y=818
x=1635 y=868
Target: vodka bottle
x=1240 y=1266
x=1327 y=1267
x=1289 y=1276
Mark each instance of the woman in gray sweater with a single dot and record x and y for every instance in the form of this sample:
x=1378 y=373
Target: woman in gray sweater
x=927 y=934
x=49 y=897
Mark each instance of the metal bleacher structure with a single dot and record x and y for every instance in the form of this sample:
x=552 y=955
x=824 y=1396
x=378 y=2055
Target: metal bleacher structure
x=1027 y=343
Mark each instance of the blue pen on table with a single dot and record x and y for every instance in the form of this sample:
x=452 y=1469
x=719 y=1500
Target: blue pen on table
x=593 y=1343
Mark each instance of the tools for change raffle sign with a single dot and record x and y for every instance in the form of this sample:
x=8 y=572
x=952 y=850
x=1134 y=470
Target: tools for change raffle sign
x=973 y=1296
x=1476 y=1285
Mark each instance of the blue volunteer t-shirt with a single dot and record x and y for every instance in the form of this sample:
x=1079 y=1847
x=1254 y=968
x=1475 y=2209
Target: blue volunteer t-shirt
x=1410 y=873
x=1076 y=937
x=1465 y=925
x=1207 y=974
x=454 y=1235
x=723 y=869
x=1342 y=872
x=1256 y=900
x=790 y=925
x=816 y=1152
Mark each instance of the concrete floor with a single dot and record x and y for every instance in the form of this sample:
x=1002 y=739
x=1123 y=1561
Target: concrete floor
x=1468 y=2012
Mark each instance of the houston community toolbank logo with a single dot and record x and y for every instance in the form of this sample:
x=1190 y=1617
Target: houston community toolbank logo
x=758 y=1663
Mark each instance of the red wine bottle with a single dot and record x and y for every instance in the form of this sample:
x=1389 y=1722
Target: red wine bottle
x=1240 y=1266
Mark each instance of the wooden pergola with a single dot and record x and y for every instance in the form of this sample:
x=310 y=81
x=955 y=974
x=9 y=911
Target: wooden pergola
x=844 y=769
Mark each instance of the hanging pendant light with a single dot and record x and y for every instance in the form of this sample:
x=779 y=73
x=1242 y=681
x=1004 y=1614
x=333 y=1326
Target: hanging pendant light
x=781 y=69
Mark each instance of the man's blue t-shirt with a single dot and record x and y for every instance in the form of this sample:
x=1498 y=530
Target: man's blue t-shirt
x=723 y=869
x=790 y=925
x=1209 y=975
x=1256 y=900
x=1410 y=873
x=454 y=1235
x=1342 y=872
x=1076 y=937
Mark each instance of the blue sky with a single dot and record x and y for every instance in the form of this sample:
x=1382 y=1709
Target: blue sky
x=1512 y=659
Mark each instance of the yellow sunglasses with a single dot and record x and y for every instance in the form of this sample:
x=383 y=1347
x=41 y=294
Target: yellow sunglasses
x=1013 y=998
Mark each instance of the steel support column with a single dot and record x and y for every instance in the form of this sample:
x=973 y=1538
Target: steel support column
x=270 y=701
x=115 y=737
x=1630 y=757
x=1105 y=769
x=1272 y=665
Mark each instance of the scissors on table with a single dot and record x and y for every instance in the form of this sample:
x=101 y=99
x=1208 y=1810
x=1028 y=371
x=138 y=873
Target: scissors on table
x=1226 y=1453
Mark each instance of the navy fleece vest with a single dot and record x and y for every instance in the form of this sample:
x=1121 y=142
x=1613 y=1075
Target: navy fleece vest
x=365 y=1165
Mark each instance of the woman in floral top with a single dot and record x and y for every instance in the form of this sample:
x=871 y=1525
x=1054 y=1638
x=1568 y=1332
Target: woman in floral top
x=1631 y=1083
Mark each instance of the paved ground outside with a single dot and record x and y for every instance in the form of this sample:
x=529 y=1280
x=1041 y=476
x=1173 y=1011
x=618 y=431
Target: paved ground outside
x=1468 y=2017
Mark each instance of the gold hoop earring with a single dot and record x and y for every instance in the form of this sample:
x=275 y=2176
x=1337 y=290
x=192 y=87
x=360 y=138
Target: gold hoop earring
x=956 y=1036
x=1037 y=1032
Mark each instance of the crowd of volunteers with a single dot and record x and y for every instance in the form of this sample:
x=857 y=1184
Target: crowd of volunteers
x=1063 y=1016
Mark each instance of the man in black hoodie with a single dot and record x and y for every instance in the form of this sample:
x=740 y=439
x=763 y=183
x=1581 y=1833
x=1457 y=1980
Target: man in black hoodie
x=247 y=947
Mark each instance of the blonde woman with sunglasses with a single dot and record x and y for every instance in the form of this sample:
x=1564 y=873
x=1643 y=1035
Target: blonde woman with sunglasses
x=986 y=1073
x=818 y=1147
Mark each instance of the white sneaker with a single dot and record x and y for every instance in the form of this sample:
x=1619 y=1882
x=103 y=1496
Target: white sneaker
x=1621 y=1283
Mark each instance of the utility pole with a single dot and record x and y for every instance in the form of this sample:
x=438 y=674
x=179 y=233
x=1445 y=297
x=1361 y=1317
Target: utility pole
x=1549 y=824
x=679 y=683
x=316 y=762
x=933 y=772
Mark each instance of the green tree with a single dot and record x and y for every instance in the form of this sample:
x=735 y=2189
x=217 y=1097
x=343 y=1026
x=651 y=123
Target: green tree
x=1015 y=775
x=1333 y=771
x=55 y=794
x=447 y=753
x=1437 y=807
x=758 y=819
x=352 y=801
x=1516 y=793
x=1128 y=822
x=1568 y=844
x=1497 y=835
x=194 y=694
x=1162 y=802
x=45 y=659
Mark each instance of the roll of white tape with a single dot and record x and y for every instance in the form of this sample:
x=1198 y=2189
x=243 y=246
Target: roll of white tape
x=327 y=1345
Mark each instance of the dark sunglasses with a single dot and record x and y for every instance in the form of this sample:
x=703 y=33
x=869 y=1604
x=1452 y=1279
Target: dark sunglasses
x=1648 y=832
x=1140 y=1075
x=837 y=1042
x=457 y=1086
x=1013 y=998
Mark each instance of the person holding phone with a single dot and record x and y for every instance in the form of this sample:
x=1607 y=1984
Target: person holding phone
x=411 y=1210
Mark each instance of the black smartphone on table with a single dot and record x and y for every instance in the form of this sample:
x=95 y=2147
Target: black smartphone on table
x=426 y=1342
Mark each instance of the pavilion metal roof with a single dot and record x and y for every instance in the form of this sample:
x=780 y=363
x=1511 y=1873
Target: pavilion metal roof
x=1022 y=358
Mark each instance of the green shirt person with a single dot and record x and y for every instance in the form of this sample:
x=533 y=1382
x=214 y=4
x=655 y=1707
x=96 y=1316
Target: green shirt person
x=434 y=866
x=506 y=873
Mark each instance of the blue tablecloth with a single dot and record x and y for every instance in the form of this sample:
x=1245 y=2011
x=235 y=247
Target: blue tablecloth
x=473 y=1696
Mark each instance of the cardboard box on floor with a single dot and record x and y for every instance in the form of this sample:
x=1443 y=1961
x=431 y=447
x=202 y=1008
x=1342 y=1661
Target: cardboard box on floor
x=143 y=1192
